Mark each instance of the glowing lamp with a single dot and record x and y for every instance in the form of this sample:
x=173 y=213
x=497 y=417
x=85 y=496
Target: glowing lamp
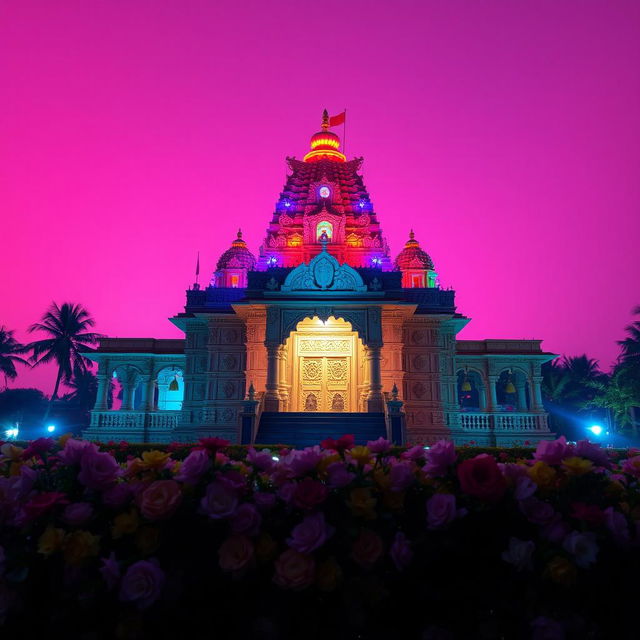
x=324 y=192
x=596 y=429
x=466 y=385
x=173 y=385
x=272 y=261
x=376 y=262
x=361 y=204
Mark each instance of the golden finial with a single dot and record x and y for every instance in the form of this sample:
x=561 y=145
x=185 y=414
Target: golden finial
x=325 y=120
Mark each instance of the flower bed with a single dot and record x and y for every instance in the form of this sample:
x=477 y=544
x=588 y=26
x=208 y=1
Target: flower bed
x=336 y=541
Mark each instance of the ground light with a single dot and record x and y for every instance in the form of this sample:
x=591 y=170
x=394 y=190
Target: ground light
x=596 y=429
x=11 y=433
x=51 y=428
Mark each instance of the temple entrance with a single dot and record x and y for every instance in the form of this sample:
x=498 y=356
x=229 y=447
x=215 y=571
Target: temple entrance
x=326 y=367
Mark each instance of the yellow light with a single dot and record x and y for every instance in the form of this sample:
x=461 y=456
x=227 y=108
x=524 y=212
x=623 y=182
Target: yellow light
x=325 y=142
x=325 y=152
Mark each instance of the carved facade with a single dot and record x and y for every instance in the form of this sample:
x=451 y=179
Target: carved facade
x=323 y=321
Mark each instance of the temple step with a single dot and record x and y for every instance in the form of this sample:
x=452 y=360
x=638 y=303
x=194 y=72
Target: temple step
x=304 y=429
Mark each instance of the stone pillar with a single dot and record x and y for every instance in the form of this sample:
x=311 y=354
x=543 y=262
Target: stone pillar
x=537 y=394
x=283 y=387
x=101 y=396
x=493 y=395
x=128 y=388
x=482 y=397
x=150 y=388
x=271 y=398
x=162 y=392
x=521 y=397
x=375 y=400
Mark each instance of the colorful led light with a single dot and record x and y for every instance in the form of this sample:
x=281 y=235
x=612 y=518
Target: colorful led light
x=325 y=142
x=328 y=153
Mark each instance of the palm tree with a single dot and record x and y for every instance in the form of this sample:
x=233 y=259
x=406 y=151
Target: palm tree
x=631 y=344
x=9 y=350
x=616 y=395
x=67 y=327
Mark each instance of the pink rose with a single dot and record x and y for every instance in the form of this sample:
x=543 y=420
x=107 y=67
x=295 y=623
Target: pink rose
x=379 y=446
x=440 y=457
x=262 y=460
x=414 y=453
x=246 y=520
x=219 y=501
x=401 y=476
x=38 y=447
x=194 y=466
x=233 y=479
x=480 y=477
x=301 y=462
x=309 y=494
x=294 y=570
x=160 y=499
x=77 y=513
x=592 y=451
x=212 y=444
x=338 y=475
x=42 y=502
x=310 y=534
x=401 y=552
x=142 y=583
x=235 y=553
x=537 y=511
x=367 y=548
x=552 y=451
x=441 y=510
x=98 y=470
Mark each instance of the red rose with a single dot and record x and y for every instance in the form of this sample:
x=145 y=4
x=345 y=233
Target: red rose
x=341 y=444
x=309 y=493
x=481 y=478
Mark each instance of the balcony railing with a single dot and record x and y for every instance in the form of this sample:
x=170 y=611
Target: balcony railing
x=503 y=422
x=160 y=420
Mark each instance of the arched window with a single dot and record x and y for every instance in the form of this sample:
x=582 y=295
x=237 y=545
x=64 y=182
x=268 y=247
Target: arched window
x=325 y=226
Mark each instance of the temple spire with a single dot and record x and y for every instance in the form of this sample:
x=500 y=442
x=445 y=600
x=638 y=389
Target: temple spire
x=325 y=120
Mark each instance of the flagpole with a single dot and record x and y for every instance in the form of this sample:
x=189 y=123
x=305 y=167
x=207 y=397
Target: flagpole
x=344 y=133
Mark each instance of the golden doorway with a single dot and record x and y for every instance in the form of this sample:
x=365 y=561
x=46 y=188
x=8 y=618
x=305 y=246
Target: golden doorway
x=326 y=367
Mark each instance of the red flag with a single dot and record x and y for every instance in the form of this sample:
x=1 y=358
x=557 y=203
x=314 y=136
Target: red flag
x=334 y=121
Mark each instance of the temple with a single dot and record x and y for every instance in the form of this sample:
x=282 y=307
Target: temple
x=322 y=333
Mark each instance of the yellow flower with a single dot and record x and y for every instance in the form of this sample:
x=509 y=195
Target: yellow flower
x=576 y=466
x=148 y=539
x=561 y=571
x=12 y=452
x=125 y=523
x=328 y=575
x=326 y=461
x=362 y=503
x=265 y=548
x=51 y=540
x=542 y=474
x=382 y=478
x=154 y=459
x=62 y=440
x=79 y=545
x=360 y=454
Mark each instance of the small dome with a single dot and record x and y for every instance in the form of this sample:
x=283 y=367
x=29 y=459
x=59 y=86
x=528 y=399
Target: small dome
x=238 y=256
x=325 y=145
x=325 y=140
x=412 y=256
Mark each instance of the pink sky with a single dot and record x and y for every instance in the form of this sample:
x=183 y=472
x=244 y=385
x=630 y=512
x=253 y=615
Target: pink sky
x=507 y=134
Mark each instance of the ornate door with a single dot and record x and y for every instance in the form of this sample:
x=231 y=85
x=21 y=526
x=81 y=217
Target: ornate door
x=324 y=383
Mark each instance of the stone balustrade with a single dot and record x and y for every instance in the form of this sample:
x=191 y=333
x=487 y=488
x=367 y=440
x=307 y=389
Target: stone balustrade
x=160 y=420
x=516 y=422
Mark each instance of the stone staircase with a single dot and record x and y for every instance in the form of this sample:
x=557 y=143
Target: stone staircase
x=305 y=429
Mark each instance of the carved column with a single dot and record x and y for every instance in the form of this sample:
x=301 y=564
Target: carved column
x=482 y=397
x=271 y=398
x=127 y=395
x=493 y=404
x=375 y=400
x=150 y=404
x=537 y=394
x=101 y=396
x=283 y=387
x=521 y=397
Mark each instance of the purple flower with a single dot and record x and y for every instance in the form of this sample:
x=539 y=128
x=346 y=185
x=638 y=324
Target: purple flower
x=310 y=534
x=338 y=475
x=262 y=460
x=441 y=510
x=98 y=470
x=379 y=446
x=142 y=583
x=74 y=450
x=194 y=466
x=546 y=629
x=525 y=488
x=440 y=457
x=617 y=524
x=77 y=513
x=264 y=500
x=110 y=571
x=582 y=546
x=519 y=553
x=117 y=496
x=592 y=451
x=537 y=511
x=401 y=476
x=219 y=501
x=400 y=551
x=246 y=520
x=301 y=462
x=552 y=451
x=414 y=453
x=37 y=448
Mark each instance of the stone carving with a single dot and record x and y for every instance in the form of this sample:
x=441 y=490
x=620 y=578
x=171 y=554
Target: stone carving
x=311 y=402
x=330 y=346
x=229 y=336
x=364 y=220
x=337 y=402
x=336 y=369
x=375 y=285
x=418 y=336
x=419 y=363
x=272 y=284
x=229 y=362
x=419 y=390
x=229 y=389
x=311 y=370
x=285 y=220
x=227 y=415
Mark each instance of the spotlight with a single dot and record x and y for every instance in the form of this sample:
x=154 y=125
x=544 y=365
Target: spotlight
x=51 y=428
x=596 y=429
x=11 y=433
x=275 y=458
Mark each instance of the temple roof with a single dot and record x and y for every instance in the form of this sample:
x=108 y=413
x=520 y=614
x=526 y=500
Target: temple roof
x=237 y=256
x=413 y=256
